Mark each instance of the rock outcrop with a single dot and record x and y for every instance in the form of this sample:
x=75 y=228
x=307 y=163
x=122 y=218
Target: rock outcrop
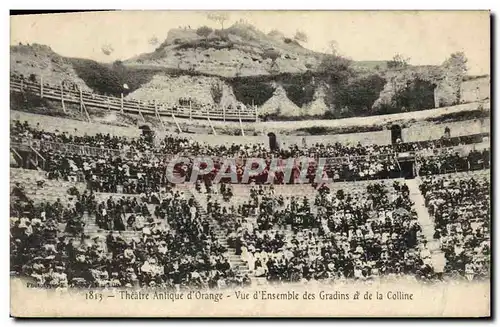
x=169 y=89
x=317 y=107
x=280 y=105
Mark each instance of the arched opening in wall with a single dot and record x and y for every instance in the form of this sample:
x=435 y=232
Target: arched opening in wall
x=273 y=144
x=396 y=134
x=417 y=94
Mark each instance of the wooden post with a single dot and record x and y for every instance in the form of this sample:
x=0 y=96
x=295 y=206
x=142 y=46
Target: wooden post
x=176 y=123
x=81 y=98
x=224 y=112
x=140 y=113
x=241 y=123
x=121 y=103
x=22 y=84
x=41 y=86
x=62 y=98
x=436 y=98
x=190 y=111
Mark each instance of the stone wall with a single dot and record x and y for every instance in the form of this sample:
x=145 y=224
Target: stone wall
x=71 y=126
x=475 y=90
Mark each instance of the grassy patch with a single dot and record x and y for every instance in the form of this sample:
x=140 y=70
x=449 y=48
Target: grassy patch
x=204 y=45
x=460 y=116
x=321 y=130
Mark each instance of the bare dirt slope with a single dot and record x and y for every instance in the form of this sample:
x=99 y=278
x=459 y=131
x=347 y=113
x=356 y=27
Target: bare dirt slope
x=202 y=90
x=40 y=60
x=240 y=50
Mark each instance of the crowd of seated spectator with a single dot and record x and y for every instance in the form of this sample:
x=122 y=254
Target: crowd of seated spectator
x=104 y=141
x=185 y=146
x=461 y=211
x=181 y=254
x=146 y=174
x=107 y=174
x=331 y=236
x=361 y=236
x=453 y=161
x=140 y=174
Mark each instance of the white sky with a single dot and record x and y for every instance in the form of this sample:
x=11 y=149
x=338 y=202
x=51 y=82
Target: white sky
x=425 y=37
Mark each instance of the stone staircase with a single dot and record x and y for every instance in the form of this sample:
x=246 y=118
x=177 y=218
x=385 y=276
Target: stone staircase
x=57 y=189
x=201 y=204
x=427 y=223
x=91 y=229
x=51 y=189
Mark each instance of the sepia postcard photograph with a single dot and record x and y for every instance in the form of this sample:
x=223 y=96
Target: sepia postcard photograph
x=250 y=164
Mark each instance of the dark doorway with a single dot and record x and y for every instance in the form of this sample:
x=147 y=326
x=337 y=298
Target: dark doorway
x=273 y=145
x=407 y=170
x=147 y=133
x=396 y=134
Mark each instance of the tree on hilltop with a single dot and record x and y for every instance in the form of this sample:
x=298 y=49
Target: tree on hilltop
x=107 y=49
x=153 y=41
x=335 y=69
x=455 y=69
x=457 y=62
x=300 y=37
x=333 y=48
x=398 y=61
x=219 y=17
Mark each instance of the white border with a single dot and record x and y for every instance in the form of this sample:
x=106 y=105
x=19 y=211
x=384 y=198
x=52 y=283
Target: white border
x=195 y=4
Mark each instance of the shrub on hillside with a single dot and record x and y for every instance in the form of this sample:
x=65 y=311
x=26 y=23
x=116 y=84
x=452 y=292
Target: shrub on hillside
x=98 y=77
x=204 y=31
x=216 y=92
x=109 y=80
x=250 y=91
x=25 y=100
x=474 y=77
x=417 y=95
x=398 y=62
x=321 y=130
x=359 y=95
x=272 y=54
x=299 y=88
x=223 y=35
x=300 y=36
x=335 y=70
x=205 y=44
x=460 y=116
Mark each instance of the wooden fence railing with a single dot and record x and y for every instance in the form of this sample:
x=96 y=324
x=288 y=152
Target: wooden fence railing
x=93 y=100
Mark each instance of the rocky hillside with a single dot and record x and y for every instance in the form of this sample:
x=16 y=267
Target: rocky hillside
x=240 y=50
x=243 y=66
x=201 y=90
x=40 y=60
